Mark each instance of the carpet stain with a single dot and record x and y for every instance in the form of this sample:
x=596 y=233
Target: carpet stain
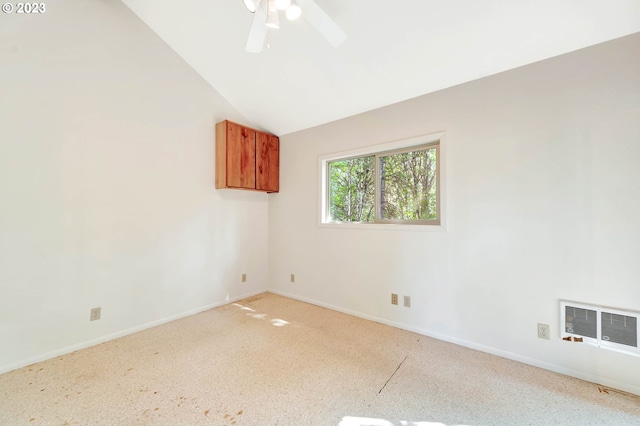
x=206 y=412
x=606 y=390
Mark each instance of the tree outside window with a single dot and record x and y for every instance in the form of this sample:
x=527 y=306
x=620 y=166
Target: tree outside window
x=399 y=186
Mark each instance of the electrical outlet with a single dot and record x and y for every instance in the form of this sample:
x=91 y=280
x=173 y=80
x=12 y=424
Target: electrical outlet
x=244 y=278
x=543 y=331
x=95 y=314
x=394 y=299
x=293 y=278
x=407 y=301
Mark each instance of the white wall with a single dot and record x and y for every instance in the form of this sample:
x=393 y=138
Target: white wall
x=107 y=184
x=543 y=197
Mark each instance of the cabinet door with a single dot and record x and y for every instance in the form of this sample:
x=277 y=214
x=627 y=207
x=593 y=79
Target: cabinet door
x=241 y=156
x=267 y=162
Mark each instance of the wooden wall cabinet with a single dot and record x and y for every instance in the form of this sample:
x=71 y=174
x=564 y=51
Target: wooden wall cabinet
x=246 y=158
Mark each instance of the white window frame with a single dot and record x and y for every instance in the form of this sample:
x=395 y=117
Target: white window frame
x=384 y=148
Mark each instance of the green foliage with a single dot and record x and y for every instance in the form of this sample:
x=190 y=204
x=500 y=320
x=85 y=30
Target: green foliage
x=352 y=190
x=407 y=190
x=408 y=185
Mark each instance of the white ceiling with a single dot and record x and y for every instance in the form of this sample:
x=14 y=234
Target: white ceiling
x=396 y=50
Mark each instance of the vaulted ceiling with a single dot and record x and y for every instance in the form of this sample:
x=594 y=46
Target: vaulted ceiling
x=396 y=50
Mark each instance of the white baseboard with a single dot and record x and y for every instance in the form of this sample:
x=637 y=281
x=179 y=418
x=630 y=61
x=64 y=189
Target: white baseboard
x=627 y=387
x=82 y=345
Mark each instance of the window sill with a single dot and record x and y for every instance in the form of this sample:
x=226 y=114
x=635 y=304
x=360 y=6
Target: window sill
x=384 y=227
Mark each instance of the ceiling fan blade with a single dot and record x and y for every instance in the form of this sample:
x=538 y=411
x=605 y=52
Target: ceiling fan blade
x=258 y=32
x=322 y=22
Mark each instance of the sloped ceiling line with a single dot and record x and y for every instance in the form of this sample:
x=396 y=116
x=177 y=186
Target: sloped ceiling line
x=419 y=47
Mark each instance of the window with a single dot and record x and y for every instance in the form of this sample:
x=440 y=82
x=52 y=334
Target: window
x=395 y=183
x=352 y=190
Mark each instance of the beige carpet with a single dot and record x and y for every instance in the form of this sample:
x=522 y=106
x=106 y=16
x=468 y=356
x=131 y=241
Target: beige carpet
x=270 y=360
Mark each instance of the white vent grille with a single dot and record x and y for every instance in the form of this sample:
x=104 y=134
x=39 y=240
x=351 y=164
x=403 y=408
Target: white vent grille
x=599 y=326
x=583 y=322
x=622 y=329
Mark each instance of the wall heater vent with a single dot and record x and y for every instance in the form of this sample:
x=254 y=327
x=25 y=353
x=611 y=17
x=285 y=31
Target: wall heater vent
x=606 y=328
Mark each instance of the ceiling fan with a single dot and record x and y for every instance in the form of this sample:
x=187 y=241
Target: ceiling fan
x=266 y=14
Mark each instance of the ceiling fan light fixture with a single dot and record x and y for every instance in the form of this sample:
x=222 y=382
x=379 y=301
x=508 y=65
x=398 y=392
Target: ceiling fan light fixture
x=282 y=4
x=273 y=17
x=293 y=12
x=252 y=5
